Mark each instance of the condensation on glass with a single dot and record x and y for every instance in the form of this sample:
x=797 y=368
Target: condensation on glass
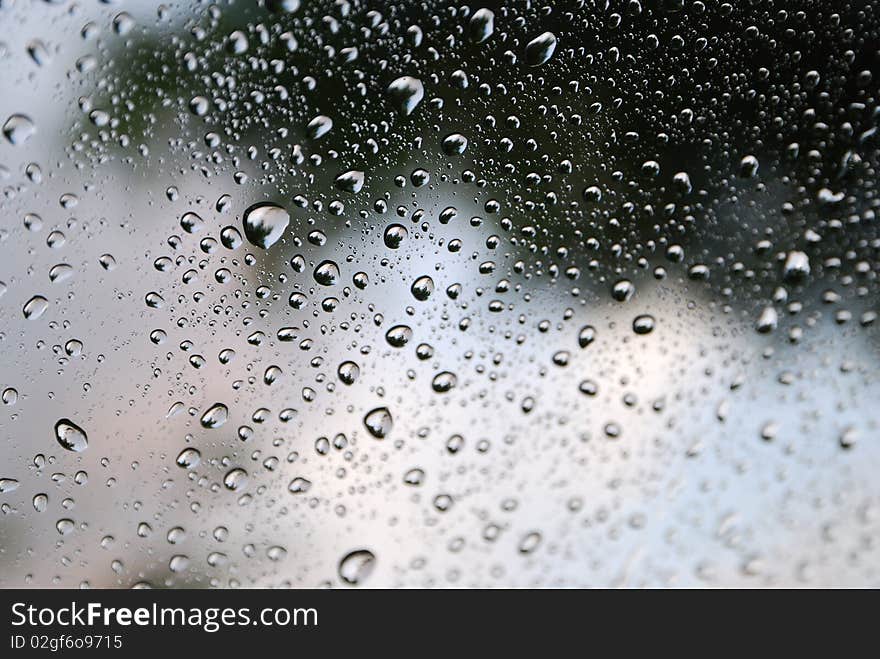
x=429 y=294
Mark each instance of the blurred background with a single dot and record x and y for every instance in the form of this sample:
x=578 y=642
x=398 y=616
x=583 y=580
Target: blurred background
x=646 y=353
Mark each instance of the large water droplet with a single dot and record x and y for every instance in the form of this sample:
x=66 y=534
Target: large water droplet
x=189 y=458
x=350 y=181
x=236 y=479
x=767 y=321
x=319 y=126
x=70 y=436
x=398 y=336
x=422 y=288
x=356 y=566
x=8 y=485
x=378 y=422
x=797 y=266
x=348 y=372
x=191 y=222
x=216 y=416
x=406 y=92
x=454 y=144
x=540 y=49
x=482 y=25
x=327 y=273
x=395 y=234
x=18 y=129
x=35 y=307
x=643 y=324
x=265 y=223
x=299 y=485
x=443 y=382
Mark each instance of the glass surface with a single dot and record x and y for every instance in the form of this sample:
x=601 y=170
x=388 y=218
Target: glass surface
x=428 y=294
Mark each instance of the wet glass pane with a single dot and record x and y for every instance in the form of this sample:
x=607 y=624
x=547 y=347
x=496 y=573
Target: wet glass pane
x=576 y=293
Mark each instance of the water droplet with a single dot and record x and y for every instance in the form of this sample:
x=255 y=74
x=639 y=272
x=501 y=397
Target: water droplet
x=178 y=563
x=454 y=144
x=378 y=422
x=395 y=234
x=399 y=335
x=199 y=106
x=35 y=307
x=235 y=479
x=586 y=336
x=189 y=458
x=422 y=288
x=356 y=566
x=60 y=272
x=327 y=273
x=40 y=502
x=38 y=52
x=319 y=126
x=643 y=324
x=593 y=194
x=230 y=237
x=282 y=6
x=276 y=553
x=65 y=526
x=299 y=485
x=8 y=485
x=623 y=290
x=216 y=416
x=265 y=223
x=10 y=396
x=444 y=381
x=70 y=436
x=192 y=222
x=540 y=49
x=482 y=25
x=748 y=167
x=406 y=93
x=797 y=266
x=18 y=129
x=348 y=372
x=237 y=43
x=350 y=181
x=530 y=542
x=767 y=321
